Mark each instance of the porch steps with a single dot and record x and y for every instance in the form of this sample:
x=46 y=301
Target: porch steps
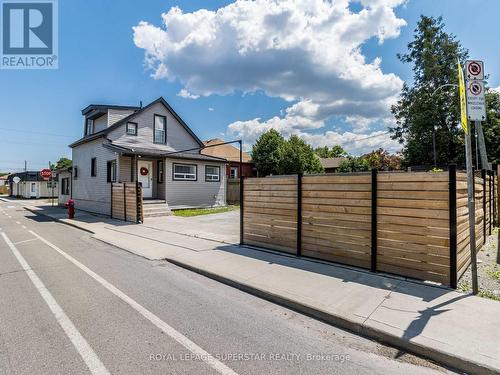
x=155 y=208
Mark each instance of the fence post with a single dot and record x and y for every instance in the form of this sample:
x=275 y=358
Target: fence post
x=374 y=222
x=489 y=201
x=111 y=205
x=138 y=203
x=452 y=199
x=125 y=201
x=299 y=214
x=483 y=176
x=495 y=177
x=241 y=209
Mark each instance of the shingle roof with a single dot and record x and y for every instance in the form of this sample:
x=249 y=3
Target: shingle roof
x=331 y=162
x=226 y=151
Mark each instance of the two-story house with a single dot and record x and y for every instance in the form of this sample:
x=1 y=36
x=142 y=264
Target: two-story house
x=151 y=145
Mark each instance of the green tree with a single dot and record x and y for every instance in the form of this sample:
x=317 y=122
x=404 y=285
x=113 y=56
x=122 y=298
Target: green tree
x=433 y=54
x=299 y=157
x=334 y=152
x=491 y=128
x=382 y=160
x=267 y=152
x=62 y=163
x=354 y=164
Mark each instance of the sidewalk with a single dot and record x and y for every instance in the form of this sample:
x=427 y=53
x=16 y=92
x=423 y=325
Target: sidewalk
x=458 y=330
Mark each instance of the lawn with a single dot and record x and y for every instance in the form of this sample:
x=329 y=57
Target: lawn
x=203 y=211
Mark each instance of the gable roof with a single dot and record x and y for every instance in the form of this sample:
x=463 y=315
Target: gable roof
x=133 y=115
x=226 y=151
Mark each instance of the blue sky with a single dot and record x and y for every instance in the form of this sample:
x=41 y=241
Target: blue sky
x=100 y=63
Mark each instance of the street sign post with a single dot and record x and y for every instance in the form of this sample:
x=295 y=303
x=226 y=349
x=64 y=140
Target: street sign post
x=470 y=178
x=16 y=180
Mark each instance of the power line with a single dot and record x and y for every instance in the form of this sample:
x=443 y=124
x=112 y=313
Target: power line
x=371 y=136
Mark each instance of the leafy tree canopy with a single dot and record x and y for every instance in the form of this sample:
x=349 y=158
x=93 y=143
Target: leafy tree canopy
x=272 y=154
x=379 y=159
x=62 y=163
x=334 y=152
x=491 y=128
x=421 y=109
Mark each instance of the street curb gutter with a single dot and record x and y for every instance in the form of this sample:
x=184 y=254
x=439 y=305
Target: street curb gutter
x=37 y=212
x=455 y=362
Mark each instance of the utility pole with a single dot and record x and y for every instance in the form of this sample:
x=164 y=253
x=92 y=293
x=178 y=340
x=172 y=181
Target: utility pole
x=434 y=145
x=482 y=145
x=25 y=165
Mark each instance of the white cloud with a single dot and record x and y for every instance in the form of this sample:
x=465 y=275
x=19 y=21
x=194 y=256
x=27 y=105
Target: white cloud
x=187 y=95
x=211 y=109
x=303 y=51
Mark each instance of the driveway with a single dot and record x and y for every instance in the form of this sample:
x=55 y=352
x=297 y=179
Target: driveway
x=222 y=227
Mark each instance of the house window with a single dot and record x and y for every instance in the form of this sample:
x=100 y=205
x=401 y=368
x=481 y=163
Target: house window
x=75 y=172
x=212 y=173
x=65 y=186
x=93 y=167
x=184 y=172
x=131 y=128
x=33 y=187
x=160 y=171
x=111 y=171
x=233 y=172
x=89 y=127
x=160 y=129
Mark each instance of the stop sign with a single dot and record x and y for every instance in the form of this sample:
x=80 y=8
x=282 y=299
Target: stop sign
x=46 y=174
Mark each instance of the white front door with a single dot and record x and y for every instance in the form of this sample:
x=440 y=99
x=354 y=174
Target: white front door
x=145 y=169
x=33 y=189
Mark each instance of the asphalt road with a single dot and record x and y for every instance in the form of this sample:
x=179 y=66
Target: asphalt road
x=70 y=304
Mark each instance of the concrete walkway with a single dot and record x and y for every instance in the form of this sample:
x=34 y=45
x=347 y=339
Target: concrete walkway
x=458 y=330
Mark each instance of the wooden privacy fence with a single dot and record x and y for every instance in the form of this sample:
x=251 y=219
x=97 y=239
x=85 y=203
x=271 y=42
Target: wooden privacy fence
x=413 y=224
x=232 y=191
x=126 y=201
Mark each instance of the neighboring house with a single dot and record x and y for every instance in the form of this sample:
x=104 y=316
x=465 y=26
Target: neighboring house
x=64 y=177
x=4 y=184
x=152 y=146
x=232 y=155
x=331 y=164
x=31 y=185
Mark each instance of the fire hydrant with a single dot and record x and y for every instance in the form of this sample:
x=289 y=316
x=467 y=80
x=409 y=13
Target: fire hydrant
x=71 y=208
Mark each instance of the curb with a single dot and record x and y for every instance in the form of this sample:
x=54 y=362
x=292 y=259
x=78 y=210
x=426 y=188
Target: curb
x=37 y=212
x=441 y=357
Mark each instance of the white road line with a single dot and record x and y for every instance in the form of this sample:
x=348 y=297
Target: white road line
x=177 y=336
x=23 y=226
x=88 y=355
x=31 y=239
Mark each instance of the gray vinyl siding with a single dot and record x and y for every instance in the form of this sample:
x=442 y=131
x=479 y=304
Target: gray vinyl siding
x=195 y=193
x=92 y=193
x=115 y=115
x=177 y=136
x=100 y=123
x=63 y=198
x=23 y=189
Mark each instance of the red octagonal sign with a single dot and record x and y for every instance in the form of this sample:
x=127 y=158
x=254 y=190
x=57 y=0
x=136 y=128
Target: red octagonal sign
x=46 y=173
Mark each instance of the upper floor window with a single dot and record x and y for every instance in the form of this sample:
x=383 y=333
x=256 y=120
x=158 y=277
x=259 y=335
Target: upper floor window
x=93 y=167
x=131 y=128
x=65 y=186
x=160 y=129
x=212 y=173
x=89 y=126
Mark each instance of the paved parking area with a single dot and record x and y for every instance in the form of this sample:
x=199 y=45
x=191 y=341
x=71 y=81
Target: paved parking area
x=222 y=227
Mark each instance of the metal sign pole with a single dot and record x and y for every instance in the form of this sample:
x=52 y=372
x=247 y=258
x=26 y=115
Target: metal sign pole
x=470 y=174
x=472 y=211
x=482 y=145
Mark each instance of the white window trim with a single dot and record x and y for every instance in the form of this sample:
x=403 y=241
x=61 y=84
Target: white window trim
x=135 y=128
x=210 y=177
x=184 y=176
x=89 y=126
x=235 y=169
